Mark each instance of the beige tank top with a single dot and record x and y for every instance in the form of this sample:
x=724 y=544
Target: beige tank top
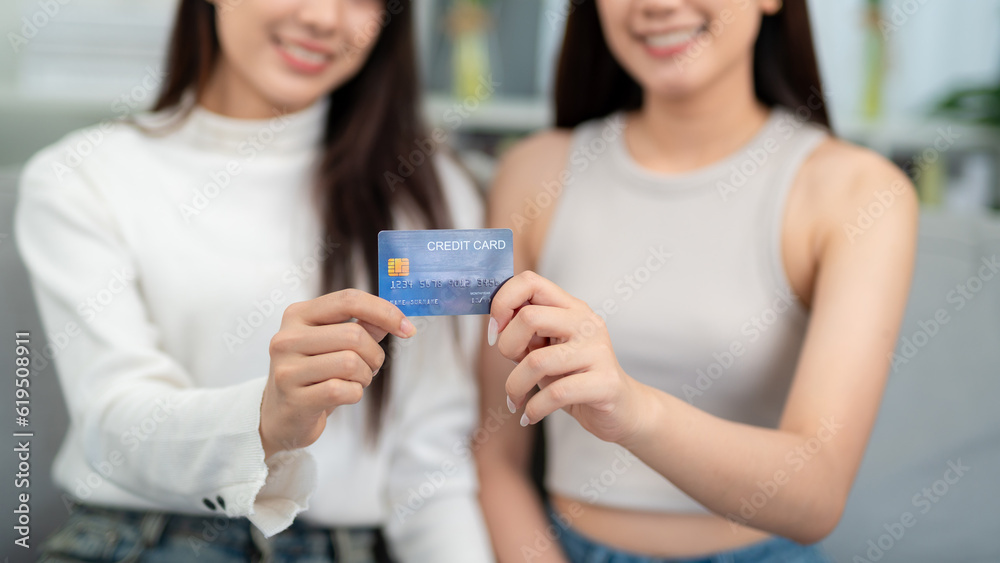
x=687 y=271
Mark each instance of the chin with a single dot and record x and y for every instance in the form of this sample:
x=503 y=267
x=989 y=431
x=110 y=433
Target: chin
x=290 y=100
x=666 y=78
x=673 y=87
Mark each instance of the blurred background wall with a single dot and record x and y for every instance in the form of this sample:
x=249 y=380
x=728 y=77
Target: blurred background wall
x=71 y=62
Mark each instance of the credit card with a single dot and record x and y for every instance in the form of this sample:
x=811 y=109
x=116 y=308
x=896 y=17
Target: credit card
x=444 y=271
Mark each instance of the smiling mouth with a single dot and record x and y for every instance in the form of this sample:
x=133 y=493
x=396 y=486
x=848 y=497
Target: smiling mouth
x=307 y=56
x=673 y=39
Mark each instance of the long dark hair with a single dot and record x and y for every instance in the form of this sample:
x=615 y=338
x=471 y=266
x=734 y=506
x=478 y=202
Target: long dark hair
x=590 y=83
x=374 y=118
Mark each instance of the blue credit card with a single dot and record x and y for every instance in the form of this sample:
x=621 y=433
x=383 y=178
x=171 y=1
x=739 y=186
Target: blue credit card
x=444 y=271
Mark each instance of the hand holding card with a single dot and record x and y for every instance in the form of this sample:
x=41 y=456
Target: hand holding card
x=323 y=357
x=444 y=271
x=577 y=371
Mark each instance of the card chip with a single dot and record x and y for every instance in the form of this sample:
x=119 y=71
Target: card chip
x=399 y=267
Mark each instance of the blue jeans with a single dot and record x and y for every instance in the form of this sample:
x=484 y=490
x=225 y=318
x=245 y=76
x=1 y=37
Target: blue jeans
x=580 y=549
x=96 y=534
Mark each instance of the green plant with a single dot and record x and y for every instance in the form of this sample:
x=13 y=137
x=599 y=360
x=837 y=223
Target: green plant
x=980 y=105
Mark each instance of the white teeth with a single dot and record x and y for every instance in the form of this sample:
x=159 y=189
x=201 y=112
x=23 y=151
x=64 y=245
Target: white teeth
x=671 y=39
x=305 y=54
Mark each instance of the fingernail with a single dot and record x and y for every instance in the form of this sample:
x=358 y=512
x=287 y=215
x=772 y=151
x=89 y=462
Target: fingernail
x=510 y=406
x=524 y=419
x=374 y=373
x=491 y=333
x=406 y=327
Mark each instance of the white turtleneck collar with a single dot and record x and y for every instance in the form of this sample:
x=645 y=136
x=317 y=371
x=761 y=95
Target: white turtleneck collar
x=281 y=134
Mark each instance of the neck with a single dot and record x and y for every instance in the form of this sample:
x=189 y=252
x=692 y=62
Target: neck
x=677 y=134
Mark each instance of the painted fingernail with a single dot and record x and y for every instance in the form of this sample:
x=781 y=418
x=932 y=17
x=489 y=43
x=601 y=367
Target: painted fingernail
x=406 y=327
x=510 y=406
x=491 y=332
x=524 y=419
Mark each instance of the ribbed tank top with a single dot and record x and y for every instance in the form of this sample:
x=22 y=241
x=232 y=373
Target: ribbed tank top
x=687 y=271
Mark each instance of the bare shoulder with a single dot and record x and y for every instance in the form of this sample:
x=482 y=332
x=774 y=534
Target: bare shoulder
x=838 y=169
x=845 y=184
x=527 y=183
x=528 y=165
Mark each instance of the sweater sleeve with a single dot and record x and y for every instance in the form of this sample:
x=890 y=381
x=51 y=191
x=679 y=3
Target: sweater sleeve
x=179 y=447
x=434 y=511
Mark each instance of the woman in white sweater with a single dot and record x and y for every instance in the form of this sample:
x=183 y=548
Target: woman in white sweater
x=227 y=401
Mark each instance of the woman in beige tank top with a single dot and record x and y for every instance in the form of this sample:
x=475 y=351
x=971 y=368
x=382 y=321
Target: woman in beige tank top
x=693 y=82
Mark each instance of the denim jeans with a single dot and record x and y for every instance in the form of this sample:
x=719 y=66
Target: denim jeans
x=580 y=549
x=97 y=534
